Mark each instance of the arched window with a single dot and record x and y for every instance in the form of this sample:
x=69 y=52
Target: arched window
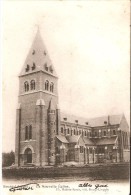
x=27 y=68
x=30 y=132
x=26 y=86
x=32 y=85
x=26 y=133
x=71 y=132
x=46 y=67
x=33 y=67
x=47 y=85
x=52 y=87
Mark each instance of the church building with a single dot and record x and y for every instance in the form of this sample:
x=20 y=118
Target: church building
x=45 y=136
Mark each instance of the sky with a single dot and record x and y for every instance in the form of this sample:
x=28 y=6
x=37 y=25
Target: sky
x=88 y=43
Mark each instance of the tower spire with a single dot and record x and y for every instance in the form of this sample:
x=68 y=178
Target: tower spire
x=38 y=58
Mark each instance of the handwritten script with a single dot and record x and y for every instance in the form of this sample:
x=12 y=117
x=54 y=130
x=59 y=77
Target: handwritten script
x=85 y=186
x=29 y=186
x=97 y=186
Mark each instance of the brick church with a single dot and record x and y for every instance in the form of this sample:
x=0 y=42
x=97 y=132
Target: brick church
x=46 y=136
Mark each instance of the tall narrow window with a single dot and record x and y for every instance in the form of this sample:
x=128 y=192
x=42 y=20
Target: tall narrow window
x=85 y=133
x=90 y=150
x=30 y=132
x=52 y=87
x=47 y=85
x=68 y=131
x=26 y=86
x=32 y=85
x=104 y=133
x=81 y=149
x=57 y=150
x=114 y=132
x=74 y=132
x=26 y=133
x=61 y=129
x=71 y=132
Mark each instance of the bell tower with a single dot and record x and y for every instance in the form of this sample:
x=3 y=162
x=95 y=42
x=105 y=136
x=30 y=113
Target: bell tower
x=37 y=113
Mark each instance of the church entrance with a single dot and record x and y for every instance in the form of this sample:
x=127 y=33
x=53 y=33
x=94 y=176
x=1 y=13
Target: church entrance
x=28 y=156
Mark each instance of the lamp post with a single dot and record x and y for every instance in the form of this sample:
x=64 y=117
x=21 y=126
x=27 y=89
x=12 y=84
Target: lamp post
x=77 y=147
x=105 y=153
x=109 y=134
x=84 y=154
x=120 y=144
x=62 y=154
x=93 y=153
x=88 y=154
x=115 y=149
x=99 y=133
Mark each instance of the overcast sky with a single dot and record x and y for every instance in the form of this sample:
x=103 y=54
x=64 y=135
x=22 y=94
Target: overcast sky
x=88 y=43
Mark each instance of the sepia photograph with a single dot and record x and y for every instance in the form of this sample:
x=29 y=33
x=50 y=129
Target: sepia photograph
x=65 y=97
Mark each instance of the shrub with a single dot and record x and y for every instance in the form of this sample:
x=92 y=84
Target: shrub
x=8 y=159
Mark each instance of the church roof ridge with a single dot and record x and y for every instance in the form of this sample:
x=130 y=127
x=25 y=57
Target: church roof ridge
x=94 y=121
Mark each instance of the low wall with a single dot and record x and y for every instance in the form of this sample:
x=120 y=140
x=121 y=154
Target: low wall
x=111 y=171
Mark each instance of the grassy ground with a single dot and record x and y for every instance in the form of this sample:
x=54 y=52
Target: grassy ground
x=99 y=171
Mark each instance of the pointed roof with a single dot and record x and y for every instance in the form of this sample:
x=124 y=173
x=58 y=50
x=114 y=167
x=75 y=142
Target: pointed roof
x=88 y=141
x=51 y=105
x=106 y=141
x=38 y=58
x=62 y=138
x=73 y=138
